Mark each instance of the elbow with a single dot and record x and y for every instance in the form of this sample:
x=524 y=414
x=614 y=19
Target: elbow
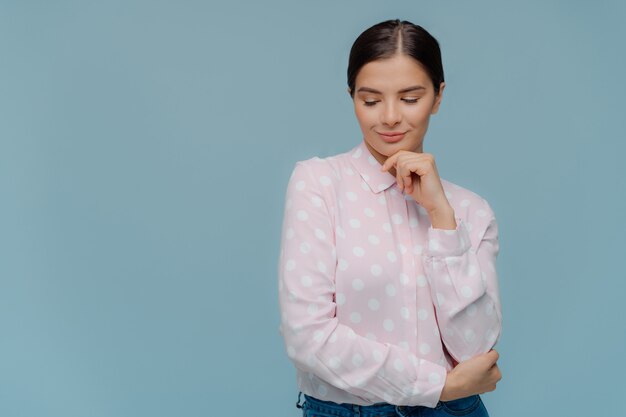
x=303 y=341
x=299 y=352
x=466 y=343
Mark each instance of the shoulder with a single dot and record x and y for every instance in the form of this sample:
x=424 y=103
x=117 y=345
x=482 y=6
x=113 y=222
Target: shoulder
x=324 y=171
x=314 y=183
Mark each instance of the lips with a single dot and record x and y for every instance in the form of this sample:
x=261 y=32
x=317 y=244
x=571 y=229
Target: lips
x=391 y=137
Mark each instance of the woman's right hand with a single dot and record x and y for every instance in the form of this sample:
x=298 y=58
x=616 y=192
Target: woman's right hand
x=473 y=376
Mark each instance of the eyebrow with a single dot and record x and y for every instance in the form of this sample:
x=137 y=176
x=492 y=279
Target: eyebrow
x=404 y=90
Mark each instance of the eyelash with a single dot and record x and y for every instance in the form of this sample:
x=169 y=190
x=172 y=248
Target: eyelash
x=409 y=101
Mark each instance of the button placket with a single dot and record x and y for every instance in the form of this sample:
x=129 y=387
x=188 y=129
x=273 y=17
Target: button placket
x=400 y=206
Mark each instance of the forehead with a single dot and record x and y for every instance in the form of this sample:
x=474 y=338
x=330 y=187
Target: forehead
x=392 y=74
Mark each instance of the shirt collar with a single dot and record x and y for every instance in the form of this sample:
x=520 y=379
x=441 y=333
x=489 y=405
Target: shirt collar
x=369 y=168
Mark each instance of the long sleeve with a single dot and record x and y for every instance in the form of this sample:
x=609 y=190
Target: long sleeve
x=464 y=284
x=315 y=340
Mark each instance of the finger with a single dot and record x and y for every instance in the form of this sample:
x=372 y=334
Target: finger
x=410 y=171
x=408 y=186
x=411 y=178
x=389 y=162
x=493 y=357
x=419 y=166
x=407 y=179
x=403 y=175
x=409 y=189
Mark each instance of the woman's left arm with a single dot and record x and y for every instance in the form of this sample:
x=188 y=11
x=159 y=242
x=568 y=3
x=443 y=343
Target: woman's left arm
x=464 y=284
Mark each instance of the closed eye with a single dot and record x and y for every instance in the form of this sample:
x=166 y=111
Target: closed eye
x=406 y=100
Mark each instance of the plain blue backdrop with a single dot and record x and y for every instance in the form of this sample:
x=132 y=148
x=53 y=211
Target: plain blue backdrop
x=145 y=147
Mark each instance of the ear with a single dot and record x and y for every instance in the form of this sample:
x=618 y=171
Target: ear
x=348 y=89
x=438 y=98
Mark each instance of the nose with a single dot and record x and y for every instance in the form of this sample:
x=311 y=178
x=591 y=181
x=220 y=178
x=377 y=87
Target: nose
x=391 y=115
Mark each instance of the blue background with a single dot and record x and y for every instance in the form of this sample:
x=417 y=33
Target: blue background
x=145 y=148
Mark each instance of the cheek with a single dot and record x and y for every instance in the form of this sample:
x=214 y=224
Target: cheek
x=366 y=118
x=418 y=114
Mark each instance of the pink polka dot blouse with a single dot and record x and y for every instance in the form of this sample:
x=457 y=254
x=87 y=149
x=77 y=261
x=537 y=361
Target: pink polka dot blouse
x=375 y=303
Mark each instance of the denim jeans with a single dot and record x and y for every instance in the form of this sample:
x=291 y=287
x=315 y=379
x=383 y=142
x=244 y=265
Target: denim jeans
x=471 y=406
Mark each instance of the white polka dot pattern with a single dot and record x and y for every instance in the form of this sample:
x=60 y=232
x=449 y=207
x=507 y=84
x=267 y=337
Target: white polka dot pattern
x=368 y=289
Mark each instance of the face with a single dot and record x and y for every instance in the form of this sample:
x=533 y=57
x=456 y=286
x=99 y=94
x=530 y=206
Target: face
x=394 y=95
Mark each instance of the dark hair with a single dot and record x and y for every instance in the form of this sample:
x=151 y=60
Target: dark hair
x=388 y=38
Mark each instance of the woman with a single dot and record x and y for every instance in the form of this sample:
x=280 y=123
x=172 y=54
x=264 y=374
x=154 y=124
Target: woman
x=388 y=290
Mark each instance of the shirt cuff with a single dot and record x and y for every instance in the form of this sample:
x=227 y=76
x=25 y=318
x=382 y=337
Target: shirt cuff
x=448 y=242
